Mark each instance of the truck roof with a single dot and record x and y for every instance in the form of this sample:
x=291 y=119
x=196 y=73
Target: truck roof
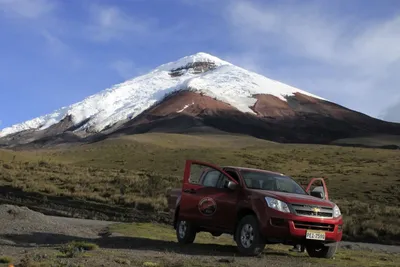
x=251 y=169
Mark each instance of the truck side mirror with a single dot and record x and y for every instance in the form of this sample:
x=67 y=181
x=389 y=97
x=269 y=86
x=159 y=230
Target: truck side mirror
x=231 y=185
x=317 y=194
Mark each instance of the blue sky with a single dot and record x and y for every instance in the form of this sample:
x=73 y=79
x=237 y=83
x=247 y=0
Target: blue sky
x=57 y=52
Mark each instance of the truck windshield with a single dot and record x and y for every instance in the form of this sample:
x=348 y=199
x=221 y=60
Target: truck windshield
x=272 y=182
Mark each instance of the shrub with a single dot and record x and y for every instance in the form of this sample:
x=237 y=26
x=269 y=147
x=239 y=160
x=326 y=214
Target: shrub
x=72 y=249
x=5 y=259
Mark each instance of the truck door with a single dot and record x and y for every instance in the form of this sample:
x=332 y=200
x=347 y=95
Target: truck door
x=320 y=191
x=205 y=199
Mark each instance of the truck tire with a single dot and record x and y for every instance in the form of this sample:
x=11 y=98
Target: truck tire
x=321 y=251
x=185 y=232
x=248 y=237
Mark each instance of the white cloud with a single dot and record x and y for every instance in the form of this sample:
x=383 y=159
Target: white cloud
x=247 y=60
x=126 y=68
x=110 y=22
x=352 y=62
x=40 y=17
x=54 y=42
x=392 y=113
x=30 y=9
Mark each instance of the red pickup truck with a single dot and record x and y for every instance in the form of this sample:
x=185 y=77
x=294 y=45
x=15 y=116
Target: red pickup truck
x=257 y=207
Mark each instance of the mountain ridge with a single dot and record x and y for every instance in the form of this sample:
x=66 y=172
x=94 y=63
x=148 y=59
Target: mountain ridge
x=199 y=92
x=113 y=98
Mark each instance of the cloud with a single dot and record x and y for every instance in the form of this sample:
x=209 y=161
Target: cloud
x=109 y=22
x=126 y=68
x=246 y=60
x=59 y=49
x=309 y=46
x=318 y=35
x=29 y=9
x=54 y=42
x=392 y=113
x=40 y=17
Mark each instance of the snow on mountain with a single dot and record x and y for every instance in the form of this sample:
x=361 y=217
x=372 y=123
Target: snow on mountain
x=212 y=76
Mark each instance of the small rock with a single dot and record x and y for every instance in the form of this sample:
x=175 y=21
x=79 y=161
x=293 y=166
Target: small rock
x=348 y=246
x=226 y=260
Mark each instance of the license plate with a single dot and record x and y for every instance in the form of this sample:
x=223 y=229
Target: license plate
x=315 y=235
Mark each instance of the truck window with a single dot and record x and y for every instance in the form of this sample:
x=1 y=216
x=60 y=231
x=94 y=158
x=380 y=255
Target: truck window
x=211 y=178
x=223 y=181
x=196 y=172
x=233 y=174
x=271 y=182
x=207 y=176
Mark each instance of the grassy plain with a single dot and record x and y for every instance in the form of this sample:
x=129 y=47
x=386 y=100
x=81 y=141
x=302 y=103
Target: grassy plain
x=371 y=141
x=154 y=245
x=138 y=170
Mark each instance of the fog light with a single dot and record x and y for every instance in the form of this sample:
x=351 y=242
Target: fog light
x=340 y=227
x=278 y=222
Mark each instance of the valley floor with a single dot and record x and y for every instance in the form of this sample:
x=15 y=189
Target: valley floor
x=128 y=178
x=28 y=238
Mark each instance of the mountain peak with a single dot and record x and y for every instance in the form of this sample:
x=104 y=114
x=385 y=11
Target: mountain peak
x=200 y=72
x=200 y=57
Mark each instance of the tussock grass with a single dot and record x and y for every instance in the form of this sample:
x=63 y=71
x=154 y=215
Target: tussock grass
x=5 y=260
x=137 y=171
x=272 y=253
x=74 y=248
x=149 y=245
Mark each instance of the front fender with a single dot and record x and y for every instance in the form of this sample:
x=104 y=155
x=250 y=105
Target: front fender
x=176 y=212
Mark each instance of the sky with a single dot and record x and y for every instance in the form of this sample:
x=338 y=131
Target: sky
x=54 y=53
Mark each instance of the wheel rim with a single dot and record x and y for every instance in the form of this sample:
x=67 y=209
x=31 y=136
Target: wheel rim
x=182 y=229
x=247 y=236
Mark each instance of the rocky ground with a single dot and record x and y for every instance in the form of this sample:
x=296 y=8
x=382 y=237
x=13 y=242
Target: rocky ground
x=28 y=238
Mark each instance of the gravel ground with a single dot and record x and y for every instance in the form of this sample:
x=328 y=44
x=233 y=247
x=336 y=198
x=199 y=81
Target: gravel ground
x=23 y=232
x=20 y=221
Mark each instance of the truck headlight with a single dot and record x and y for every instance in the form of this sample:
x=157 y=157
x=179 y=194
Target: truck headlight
x=277 y=204
x=336 y=212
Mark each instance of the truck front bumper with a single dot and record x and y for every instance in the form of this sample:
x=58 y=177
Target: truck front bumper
x=295 y=228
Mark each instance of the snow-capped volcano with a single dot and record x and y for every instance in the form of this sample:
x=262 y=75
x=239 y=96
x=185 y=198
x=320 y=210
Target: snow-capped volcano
x=199 y=72
x=198 y=93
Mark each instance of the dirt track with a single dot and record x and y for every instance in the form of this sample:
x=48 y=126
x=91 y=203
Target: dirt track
x=24 y=232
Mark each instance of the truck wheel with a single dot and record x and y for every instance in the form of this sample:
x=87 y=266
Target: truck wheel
x=248 y=237
x=321 y=251
x=185 y=232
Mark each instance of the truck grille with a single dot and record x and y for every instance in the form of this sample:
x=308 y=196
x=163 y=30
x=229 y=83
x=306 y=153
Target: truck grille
x=312 y=211
x=314 y=226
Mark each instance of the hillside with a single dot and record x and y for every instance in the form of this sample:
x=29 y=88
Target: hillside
x=199 y=93
x=127 y=178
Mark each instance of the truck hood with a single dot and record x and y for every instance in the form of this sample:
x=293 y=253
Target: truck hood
x=294 y=198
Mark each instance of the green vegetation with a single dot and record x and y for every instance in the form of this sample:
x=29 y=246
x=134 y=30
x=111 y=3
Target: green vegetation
x=165 y=232
x=371 y=141
x=74 y=248
x=344 y=257
x=275 y=256
x=154 y=245
x=137 y=171
x=5 y=260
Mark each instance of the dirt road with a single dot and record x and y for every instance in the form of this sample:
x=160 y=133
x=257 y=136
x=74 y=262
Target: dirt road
x=27 y=235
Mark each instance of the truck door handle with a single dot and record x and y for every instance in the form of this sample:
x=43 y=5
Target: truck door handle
x=190 y=191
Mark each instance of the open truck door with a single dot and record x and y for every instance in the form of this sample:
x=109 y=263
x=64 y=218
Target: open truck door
x=208 y=195
x=320 y=191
